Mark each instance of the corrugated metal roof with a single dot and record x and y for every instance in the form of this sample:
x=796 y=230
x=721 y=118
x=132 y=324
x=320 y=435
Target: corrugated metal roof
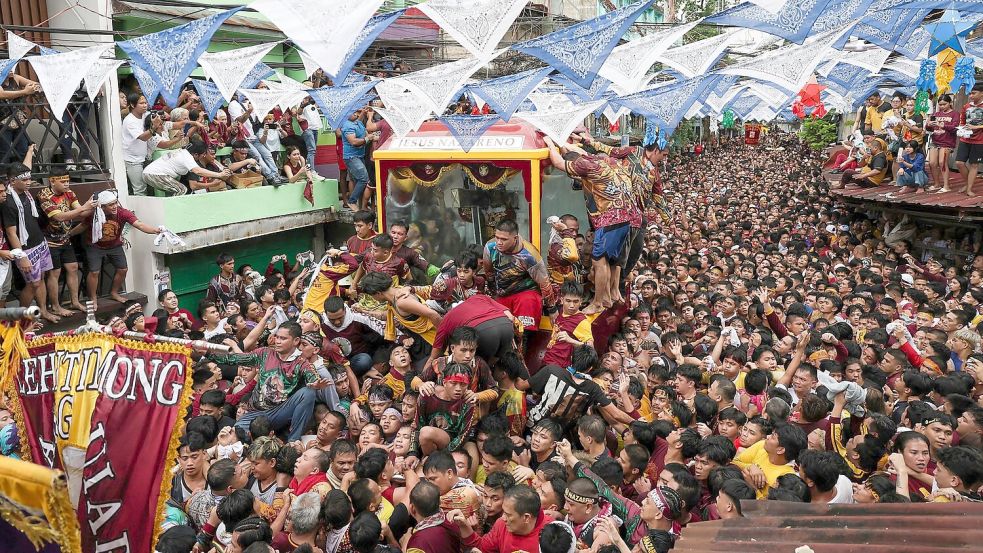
x=780 y=527
x=888 y=194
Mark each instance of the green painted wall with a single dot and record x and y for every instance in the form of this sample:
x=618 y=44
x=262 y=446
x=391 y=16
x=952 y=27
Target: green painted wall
x=201 y=211
x=191 y=271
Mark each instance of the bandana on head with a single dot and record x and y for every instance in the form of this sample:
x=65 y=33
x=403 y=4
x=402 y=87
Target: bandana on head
x=105 y=197
x=393 y=412
x=312 y=338
x=459 y=377
x=658 y=497
x=378 y=397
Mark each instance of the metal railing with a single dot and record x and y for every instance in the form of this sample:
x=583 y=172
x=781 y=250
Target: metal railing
x=65 y=143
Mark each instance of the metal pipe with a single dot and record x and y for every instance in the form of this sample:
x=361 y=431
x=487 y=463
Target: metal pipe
x=19 y=313
x=208 y=347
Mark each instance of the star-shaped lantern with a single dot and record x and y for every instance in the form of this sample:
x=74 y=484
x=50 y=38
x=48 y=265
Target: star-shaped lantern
x=949 y=32
x=810 y=93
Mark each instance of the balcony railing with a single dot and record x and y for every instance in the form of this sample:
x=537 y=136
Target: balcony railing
x=65 y=143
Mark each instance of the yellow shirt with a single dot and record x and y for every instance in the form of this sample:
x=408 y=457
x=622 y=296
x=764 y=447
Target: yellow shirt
x=756 y=455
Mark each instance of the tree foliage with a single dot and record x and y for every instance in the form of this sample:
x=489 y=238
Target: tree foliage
x=818 y=133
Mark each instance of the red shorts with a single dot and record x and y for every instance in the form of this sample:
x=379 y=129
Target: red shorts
x=527 y=306
x=339 y=148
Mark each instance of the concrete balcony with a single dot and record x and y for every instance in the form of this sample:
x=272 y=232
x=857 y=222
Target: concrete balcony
x=203 y=220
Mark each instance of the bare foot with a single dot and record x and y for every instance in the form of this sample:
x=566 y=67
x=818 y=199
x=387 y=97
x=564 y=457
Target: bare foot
x=51 y=317
x=117 y=297
x=78 y=306
x=61 y=312
x=592 y=309
x=943 y=190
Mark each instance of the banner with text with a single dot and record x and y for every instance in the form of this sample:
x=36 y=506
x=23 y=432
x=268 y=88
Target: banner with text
x=121 y=403
x=752 y=133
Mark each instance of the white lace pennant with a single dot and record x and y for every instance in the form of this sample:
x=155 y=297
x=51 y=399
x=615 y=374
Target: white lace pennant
x=770 y=94
x=310 y=66
x=627 y=64
x=614 y=116
x=414 y=108
x=263 y=100
x=478 y=25
x=558 y=124
x=790 y=66
x=694 y=110
x=98 y=74
x=399 y=123
x=17 y=46
x=293 y=91
x=905 y=66
x=325 y=30
x=440 y=84
x=872 y=59
x=60 y=74
x=698 y=57
x=229 y=68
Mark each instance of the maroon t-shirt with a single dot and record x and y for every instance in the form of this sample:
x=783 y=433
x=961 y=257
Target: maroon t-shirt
x=112 y=229
x=473 y=311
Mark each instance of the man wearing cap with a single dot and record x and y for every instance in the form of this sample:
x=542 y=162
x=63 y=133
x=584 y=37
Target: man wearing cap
x=23 y=230
x=63 y=209
x=104 y=241
x=165 y=173
x=583 y=506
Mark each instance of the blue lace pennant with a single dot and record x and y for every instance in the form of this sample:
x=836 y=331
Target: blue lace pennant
x=793 y=22
x=843 y=78
x=886 y=27
x=596 y=90
x=744 y=104
x=6 y=66
x=257 y=74
x=148 y=85
x=210 y=96
x=365 y=37
x=724 y=84
x=45 y=51
x=579 y=50
x=337 y=102
x=506 y=94
x=467 y=129
x=169 y=56
x=899 y=77
x=667 y=105
x=974 y=48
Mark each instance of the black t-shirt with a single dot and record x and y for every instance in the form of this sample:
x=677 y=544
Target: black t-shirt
x=561 y=398
x=10 y=218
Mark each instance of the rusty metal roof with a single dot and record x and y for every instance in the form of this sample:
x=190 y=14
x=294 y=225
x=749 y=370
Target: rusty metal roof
x=780 y=527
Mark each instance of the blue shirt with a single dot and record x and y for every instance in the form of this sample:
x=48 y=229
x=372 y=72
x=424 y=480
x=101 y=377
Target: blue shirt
x=358 y=129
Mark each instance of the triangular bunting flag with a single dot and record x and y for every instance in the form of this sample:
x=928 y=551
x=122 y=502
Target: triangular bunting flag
x=336 y=102
x=440 y=84
x=839 y=13
x=916 y=45
x=696 y=58
x=100 y=71
x=504 y=94
x=210 y=95
x=310 y=66
x=325 y=30
x=792 y=23
x=400 y=124
x=871 y=59
x=628 y=63
x=478 y=25
x=263 y=100
x=148 y=86
x=258 y=73
x=371 y=31
x=169 y=56
x=228 y=69
x=17 y=47
x=596 y=90
x=6 y=66
x=558 y=124
x=773 y=6
x=45 y=51
x=467 y=129
x=579 y=50
x=791 y=66
x=666 y=105
x=60 y=74
x=886 y=27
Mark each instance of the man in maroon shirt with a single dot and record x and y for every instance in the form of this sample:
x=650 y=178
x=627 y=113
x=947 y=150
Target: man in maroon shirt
x=490 y=319
x=341 y=323
x=105 y=242
x=433 y=533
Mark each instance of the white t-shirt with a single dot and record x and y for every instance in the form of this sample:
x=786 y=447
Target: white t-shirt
x=134 y=149
x=313 y=117
x=844 y=491
x=175 y=164
x=235 y=111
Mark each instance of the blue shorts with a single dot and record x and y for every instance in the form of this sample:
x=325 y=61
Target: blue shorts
x=610 y=242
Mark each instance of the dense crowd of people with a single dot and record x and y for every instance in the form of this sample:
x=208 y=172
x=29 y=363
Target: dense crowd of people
x=721 y=330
